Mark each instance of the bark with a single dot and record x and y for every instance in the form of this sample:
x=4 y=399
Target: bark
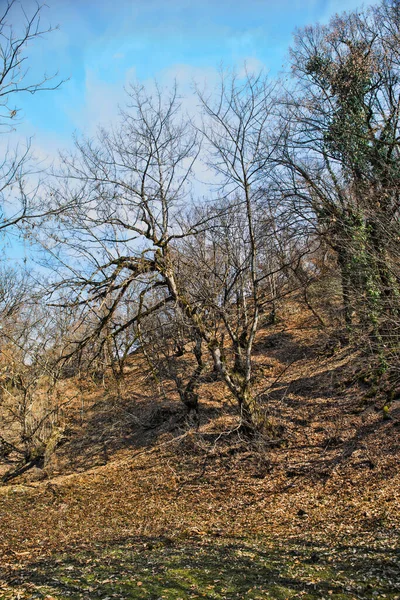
x=343 y=260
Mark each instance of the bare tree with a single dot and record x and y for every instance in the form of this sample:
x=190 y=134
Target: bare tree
x=174 y=352
x=128 y=190
x=131 y=190
x=19 y=186
x=31 y=401
x=237 y=130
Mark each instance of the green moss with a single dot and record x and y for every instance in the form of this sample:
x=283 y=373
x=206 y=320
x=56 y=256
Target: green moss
x=386 y=413
x=216 y=569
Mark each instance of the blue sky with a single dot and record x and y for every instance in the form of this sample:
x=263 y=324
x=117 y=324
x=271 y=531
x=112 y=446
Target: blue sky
x=102 y=45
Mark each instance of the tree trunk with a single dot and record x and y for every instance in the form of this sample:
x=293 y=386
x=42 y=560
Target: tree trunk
x=346 y=288
x=252 y=417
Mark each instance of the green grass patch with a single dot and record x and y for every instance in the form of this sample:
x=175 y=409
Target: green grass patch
x=216 y=569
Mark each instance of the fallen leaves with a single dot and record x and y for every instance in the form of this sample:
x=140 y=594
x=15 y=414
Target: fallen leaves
x=187 y=494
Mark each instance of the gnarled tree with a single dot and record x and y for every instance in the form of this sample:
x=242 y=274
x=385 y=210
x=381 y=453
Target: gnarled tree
x=131 y=189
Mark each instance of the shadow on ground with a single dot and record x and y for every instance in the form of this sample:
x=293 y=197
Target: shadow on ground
x=156 y=568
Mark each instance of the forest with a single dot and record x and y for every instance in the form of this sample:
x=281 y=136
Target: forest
x=215 y=306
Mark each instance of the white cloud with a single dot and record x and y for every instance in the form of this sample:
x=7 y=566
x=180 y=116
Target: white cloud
x=100 y=105
x=251 y=66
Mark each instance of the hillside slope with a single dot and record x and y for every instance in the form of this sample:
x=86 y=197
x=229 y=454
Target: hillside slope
x=138 y=505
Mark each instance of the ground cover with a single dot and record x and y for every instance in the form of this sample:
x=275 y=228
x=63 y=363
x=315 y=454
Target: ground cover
x=136 y=505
